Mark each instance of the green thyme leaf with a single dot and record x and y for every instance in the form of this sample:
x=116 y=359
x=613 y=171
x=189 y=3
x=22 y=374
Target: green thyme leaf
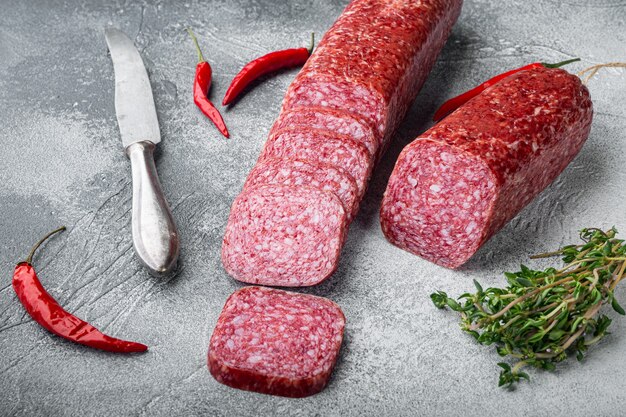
x=617 y=307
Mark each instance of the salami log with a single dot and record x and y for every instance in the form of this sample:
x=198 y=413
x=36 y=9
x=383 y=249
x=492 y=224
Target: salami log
x=281 y=235
x=375 y=58
x=276 y=342
x=367 y=68
x=320 y=146
x=332 y=120
x=302 y=173
x=462 y=180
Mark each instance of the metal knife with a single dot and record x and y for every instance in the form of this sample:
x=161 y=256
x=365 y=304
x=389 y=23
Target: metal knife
x=154 y=233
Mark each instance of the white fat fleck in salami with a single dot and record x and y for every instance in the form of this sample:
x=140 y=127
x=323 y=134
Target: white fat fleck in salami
x=461 y=181
x=284 y=236
x=304 y=173
x=276 y=342
x=320 y=146
x=341 y=122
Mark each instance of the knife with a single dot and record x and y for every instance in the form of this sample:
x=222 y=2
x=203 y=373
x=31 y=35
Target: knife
x=155 y=238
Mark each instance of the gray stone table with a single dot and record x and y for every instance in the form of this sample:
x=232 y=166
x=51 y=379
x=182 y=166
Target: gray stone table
x=61 y=162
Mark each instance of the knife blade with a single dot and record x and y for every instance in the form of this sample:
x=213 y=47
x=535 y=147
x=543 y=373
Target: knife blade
x=134 y=103
x=155 y=237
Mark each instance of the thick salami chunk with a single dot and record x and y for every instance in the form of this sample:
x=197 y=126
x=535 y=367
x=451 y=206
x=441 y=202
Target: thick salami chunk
x=320 y=146
x=375 y=58
x=281 y=235
x=461 y=181
x=333 y=120
x=303 y=173
x=276 y=342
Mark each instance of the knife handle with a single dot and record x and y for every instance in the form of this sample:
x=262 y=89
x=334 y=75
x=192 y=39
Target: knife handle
x=154 y=233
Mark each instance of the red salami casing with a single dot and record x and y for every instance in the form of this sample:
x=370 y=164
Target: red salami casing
x=461 y=181
x=276 y=342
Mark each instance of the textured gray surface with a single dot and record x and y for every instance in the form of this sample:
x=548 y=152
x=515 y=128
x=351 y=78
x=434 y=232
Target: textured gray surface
x=62 y=163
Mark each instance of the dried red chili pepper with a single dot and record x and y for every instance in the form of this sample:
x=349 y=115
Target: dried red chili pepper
x=201 y=85
x=274 y=61
x=456 y=102
x=45 y=310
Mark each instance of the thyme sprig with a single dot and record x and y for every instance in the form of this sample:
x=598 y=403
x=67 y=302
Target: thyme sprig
x=543 y=316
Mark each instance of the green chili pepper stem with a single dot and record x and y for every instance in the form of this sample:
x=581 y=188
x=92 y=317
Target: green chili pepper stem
x=560 y=64
x=312 y=46
x=195 y=42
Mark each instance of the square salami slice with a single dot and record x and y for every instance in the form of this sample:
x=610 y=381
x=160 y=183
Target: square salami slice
x=337 y=121
x=322 y=147
x=304 y=173
x=287 y=236
x=276 y=342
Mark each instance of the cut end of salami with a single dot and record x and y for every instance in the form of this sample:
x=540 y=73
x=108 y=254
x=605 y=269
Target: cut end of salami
x=460 y=193
x=460 y=182
x=284 y=236
x=276 y=342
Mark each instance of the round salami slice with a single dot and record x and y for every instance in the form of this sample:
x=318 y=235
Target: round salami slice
x=304 y=173
x=322 y=147
x=276 y=342
x=337 y=121
x=461 y=181
x=283 y=235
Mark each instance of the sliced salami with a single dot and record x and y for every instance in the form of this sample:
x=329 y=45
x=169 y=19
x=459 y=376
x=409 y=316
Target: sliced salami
x=276 y=342
x=281 y=235
x=461 y=181
x=371 y=65
x=323 y=147
x=375 y=58
x=304 y=173
x=333 y=120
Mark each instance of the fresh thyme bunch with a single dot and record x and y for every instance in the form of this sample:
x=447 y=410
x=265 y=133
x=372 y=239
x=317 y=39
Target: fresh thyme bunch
x=542 y=316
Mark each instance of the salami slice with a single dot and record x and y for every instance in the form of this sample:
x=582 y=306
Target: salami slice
x=283 y=235
x=375 y=58
x=461 y=181
x=337 y=121
x=322 y=147
x=303 y=173
x=276 y=342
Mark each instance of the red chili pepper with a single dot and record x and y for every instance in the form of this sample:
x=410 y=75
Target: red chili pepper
x=45 y=310
x=456 y=102
x=201 y=85
x=274 y=61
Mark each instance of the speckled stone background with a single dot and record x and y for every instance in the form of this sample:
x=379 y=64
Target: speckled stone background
x=62 y=163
